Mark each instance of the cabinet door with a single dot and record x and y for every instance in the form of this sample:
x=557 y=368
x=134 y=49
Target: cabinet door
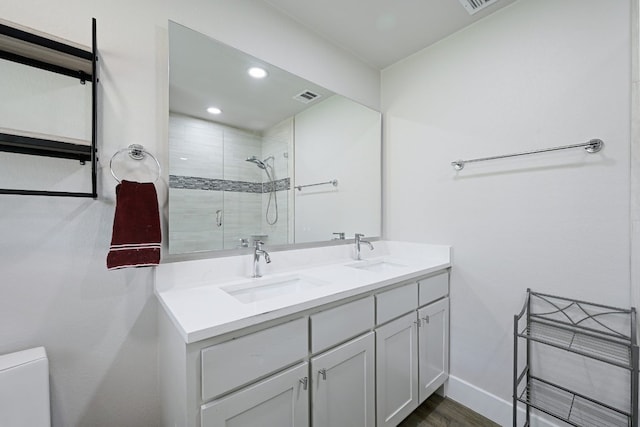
x=433 y=342
x=397 y=370
x=343 y=385
x=281 y=400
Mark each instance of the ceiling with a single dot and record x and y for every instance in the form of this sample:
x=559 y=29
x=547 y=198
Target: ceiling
x=379 y=32
x=247 y=103
x=382 y=32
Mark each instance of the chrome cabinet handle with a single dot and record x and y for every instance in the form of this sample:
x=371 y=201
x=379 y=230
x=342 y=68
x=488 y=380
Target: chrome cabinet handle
x=323 y=372
x=426 y=319
x=418 y=323
x=304 y=381
x=219 y=217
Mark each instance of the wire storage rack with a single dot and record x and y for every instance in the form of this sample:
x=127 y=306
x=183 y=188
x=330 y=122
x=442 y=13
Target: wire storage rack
x=602 y=333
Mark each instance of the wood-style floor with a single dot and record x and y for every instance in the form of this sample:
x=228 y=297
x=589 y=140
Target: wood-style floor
x=437 y=411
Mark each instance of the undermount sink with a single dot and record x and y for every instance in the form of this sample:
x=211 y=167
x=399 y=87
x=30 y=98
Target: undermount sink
x=376 y=265
x=266 y=288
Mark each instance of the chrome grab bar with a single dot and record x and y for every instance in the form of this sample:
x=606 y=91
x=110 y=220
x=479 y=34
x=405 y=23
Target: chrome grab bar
x=333 y=182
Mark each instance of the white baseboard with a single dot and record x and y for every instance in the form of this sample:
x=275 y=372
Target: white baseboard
x=488 y=405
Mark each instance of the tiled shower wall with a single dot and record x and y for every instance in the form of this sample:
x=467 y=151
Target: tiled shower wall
x=278 y=142
x=216 y=197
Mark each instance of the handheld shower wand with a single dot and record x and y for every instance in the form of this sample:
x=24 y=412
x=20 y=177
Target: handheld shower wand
x=272 y=192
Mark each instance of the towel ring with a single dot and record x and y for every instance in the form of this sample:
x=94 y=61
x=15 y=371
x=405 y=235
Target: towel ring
x=136 y=152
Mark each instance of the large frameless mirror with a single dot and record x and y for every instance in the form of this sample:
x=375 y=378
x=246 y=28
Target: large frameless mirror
x=263 y=154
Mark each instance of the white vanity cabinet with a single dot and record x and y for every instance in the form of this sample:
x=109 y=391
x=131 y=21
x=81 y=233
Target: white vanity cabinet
x=279 y=400
x=364 y=361
x=255 y=377
x=412 y=351
x=242 y=360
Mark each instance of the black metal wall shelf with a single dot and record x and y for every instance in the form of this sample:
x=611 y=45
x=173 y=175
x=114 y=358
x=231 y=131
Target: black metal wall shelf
x=14 y=142
x=28 y=47
x=599 y=332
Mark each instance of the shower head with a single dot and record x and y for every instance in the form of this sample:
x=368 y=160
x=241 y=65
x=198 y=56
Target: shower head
x=257 y=162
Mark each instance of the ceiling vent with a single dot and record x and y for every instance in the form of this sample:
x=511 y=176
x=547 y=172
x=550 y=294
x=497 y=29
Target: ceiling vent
x=306 y=96
x=473 y=6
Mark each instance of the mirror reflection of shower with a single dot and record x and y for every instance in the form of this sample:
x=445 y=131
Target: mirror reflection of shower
x=264 y=165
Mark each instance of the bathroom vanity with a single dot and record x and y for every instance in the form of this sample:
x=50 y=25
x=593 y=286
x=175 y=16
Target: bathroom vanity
x=320 y=340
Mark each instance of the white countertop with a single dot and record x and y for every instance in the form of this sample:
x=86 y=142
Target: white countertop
x=192 y=292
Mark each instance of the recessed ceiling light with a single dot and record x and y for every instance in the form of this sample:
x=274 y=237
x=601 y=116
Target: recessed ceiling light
x=257 y=72
x=214 y=110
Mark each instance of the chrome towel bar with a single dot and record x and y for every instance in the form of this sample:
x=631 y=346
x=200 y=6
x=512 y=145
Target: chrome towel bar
x=333 y=182
x=592 y=146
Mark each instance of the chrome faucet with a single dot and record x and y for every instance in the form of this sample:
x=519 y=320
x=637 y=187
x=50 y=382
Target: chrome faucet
x=359 y=241
x=257 y=252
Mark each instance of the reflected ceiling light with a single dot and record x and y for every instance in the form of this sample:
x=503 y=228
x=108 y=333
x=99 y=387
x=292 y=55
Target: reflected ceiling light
x=257 y=72
x=214 y=110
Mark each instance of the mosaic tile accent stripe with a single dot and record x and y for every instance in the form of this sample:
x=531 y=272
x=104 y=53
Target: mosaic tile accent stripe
x=280 y=184
x=198 y=183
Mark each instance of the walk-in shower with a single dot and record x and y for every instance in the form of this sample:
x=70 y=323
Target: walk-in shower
x=262 y=164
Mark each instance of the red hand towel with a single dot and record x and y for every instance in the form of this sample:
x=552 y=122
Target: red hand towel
x=136 y=227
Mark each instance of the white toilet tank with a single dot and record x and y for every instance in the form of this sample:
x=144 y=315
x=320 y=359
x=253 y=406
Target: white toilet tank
x=24 y=389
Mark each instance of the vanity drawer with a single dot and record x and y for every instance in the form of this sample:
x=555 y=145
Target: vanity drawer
x=396 y=302
x=338 y=324
x=433 y=288
x=240 y=361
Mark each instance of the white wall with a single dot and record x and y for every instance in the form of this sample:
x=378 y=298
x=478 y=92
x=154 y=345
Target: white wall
x=28 y=93
x=536 y=74
x=99 y=327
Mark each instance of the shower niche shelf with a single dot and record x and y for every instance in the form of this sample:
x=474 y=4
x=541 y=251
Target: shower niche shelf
x=34 y=49
x=602 y=333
